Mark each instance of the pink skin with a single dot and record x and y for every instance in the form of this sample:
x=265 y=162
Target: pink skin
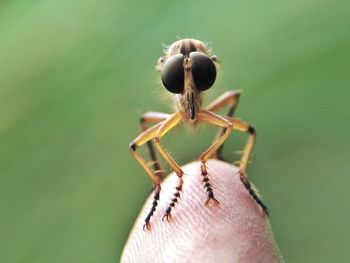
x=234 y=231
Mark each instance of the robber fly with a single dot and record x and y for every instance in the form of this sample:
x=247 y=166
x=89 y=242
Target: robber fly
x=187 y=70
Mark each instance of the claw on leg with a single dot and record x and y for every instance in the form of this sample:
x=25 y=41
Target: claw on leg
x=167 y=216
x=147 y=226
x=211 y=200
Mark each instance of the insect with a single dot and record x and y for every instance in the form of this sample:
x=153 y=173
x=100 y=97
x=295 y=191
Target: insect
x=187 y=70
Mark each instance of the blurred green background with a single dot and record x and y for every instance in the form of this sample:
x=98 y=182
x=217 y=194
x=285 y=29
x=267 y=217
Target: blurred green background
x=76 y=75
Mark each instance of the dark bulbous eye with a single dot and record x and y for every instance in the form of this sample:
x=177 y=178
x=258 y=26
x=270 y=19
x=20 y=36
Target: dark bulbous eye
x=203 y=70
x=173 y=74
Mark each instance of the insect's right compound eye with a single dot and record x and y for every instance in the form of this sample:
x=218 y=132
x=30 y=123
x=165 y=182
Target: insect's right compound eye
x=173 y=74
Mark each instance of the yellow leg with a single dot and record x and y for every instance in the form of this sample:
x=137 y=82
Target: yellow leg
x=153 y=117
x=143 y=138
x=212 y=118
x=229 y=98
x=166 y=126
x=245 y=127
x=163 y=129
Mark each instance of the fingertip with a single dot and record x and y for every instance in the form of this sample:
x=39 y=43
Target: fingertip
x=230 y=226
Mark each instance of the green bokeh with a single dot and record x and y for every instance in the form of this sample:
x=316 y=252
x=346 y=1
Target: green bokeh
x=76 y=75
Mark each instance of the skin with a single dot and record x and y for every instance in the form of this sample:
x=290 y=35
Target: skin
x=236 y=230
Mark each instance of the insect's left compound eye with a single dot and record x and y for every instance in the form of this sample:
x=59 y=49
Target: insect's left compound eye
x=173 y=74
x=203 y=70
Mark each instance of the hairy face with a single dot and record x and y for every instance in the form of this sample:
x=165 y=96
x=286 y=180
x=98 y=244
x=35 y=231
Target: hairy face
x=187 y=69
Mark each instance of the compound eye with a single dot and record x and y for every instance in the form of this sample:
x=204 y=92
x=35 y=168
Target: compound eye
x=203 y=70
x=173 y=74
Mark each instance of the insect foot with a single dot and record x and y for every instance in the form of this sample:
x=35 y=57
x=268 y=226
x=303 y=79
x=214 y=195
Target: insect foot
x=252 y=192
x=147 y=226
x=211 y=199
x=167 y=216
x=174 y=201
